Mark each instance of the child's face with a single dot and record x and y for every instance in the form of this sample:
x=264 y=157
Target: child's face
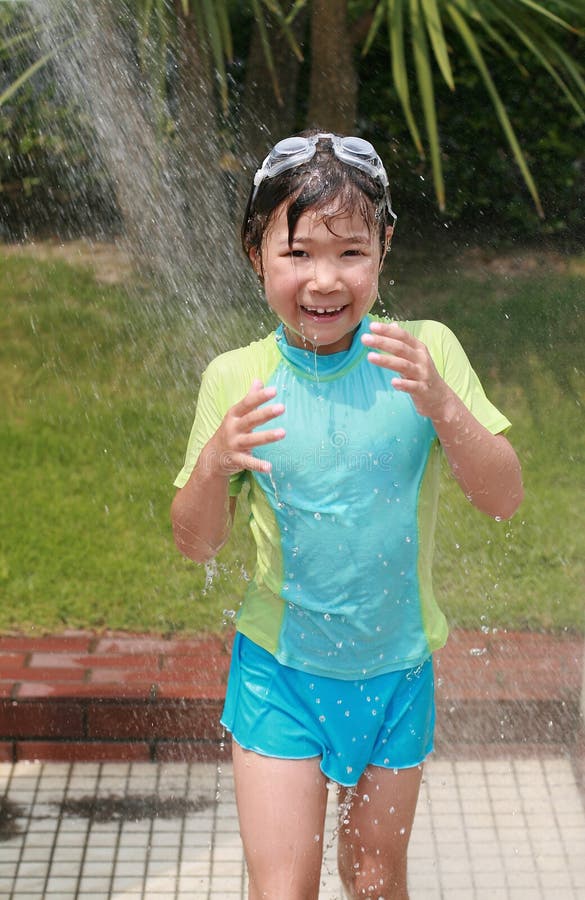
x=322 y=286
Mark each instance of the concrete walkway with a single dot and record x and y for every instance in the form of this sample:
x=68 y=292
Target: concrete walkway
x=115 y=779
x=486 y=828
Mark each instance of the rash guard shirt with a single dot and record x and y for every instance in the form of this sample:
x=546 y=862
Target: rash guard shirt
x=344 y=523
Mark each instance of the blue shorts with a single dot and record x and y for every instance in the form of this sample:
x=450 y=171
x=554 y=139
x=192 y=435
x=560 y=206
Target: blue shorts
x=274 y=710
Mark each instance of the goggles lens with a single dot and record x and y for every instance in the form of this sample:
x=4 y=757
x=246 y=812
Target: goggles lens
x=287 y=154
x=294 y=151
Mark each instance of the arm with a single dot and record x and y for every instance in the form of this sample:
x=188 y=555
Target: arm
x=484 y=464
x=202 y=512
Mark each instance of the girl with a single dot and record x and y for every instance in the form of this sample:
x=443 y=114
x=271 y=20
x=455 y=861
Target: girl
x=339 y=438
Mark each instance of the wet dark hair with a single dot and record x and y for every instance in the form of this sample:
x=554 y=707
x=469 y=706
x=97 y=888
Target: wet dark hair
x=315 y=185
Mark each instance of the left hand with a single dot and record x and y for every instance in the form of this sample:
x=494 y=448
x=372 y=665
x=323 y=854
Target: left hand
x=405 y=354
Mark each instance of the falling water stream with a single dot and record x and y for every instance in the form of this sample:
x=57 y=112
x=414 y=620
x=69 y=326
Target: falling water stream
x=173 y=199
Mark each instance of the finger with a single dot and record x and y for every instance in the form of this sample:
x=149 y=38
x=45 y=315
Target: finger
x=390 y=345
x=261 y=416
x=259 y=438
x=393 y=363
x=391 y=329
x=256 y=396
x=243 y=459
x=406 y=385
x=233 y=462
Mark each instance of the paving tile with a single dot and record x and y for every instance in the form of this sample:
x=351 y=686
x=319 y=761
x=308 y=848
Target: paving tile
x=129 y=644
x=6 y=749
x=84 y=691
x=35 y=719
x=168 y=720
x=82 y=750
x=75 y=664
x=81 y=642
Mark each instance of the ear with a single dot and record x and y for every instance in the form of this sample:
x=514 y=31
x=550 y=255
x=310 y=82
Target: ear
x=389 y=233
x=256 y=260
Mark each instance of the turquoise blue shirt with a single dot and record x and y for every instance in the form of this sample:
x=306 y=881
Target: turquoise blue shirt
x=344 y=523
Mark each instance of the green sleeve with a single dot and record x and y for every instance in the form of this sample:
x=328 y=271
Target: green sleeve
x=209 y=414
x=454 y=366
x=225 y=381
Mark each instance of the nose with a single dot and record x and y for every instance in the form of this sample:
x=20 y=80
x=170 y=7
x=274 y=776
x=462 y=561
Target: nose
x=325 y=276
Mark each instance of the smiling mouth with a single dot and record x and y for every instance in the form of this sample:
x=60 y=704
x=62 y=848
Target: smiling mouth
x=320 y=312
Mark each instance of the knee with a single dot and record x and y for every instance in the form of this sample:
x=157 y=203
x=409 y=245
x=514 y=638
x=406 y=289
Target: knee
x=371 y=876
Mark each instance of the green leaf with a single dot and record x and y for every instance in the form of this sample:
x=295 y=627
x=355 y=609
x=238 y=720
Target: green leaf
x=264 y=40
x=496 y=35
x=296 y=8
x=547 y=63
x=277 y=12
x=399 y=74
x=568 y=63
x=477 y=57
x=426 y=89
x=377 y=19
x=225 y=29
x=30 y=71
x=217 y=48
x=547 y=13
x=21 y=38
x=434 y=25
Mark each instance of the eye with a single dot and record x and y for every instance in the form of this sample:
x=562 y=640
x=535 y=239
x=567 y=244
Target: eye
x=352 y=252
x=298 y=254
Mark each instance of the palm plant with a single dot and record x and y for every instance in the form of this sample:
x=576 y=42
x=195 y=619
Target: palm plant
x=482 y=27
x=425 y=38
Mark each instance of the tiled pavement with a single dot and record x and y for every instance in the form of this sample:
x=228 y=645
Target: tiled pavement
x=485 y=830
x=501 y=811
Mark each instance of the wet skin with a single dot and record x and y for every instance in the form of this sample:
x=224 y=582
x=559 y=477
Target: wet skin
x=322 y=285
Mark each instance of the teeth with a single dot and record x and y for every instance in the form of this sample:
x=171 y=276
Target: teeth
x=320 y=310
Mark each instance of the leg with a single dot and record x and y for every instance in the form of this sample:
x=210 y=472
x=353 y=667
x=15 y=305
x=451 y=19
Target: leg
x=374 y=833
x=281 y=809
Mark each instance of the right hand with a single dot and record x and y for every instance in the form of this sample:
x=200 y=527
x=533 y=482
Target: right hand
x=229 y=450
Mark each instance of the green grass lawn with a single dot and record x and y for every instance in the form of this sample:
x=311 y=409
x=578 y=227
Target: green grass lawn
x=98 y=387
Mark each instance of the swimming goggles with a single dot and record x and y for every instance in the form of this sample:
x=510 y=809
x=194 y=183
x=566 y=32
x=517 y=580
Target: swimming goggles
x=294 y=151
